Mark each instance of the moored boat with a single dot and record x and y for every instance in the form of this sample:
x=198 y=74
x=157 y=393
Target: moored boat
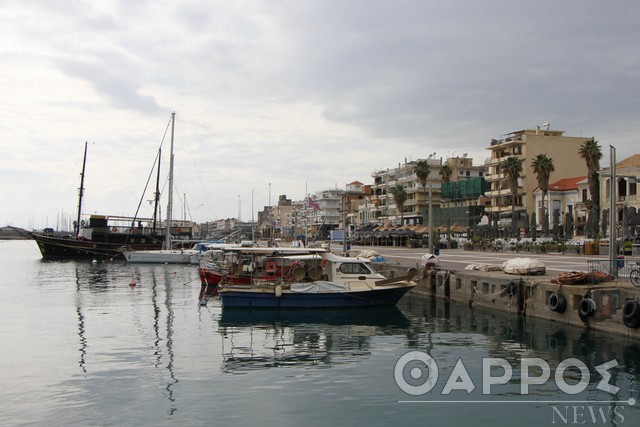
x=317 y=280
x=103 y=237
x=166 y=254
x=107 y=236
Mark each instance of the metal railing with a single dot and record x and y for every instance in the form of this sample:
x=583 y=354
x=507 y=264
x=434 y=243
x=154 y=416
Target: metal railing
x=621 y=267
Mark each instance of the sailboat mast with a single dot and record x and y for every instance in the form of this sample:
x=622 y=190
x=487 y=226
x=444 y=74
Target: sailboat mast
x=157 y=197
x=81 y=191
x=167 y=236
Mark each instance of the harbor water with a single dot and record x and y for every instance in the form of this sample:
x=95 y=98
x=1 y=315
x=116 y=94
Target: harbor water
x=81 y=345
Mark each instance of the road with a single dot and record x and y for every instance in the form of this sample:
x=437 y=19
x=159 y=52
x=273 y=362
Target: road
x=458 y=259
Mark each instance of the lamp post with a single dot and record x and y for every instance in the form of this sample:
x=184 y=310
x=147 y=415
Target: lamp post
x=613 y=264
x=430 y=209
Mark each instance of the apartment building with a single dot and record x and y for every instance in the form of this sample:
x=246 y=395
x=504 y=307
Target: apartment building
x=526 y=145
x=384 y=210
x=627 y=201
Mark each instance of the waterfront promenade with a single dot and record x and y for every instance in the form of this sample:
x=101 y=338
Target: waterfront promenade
x=458 y=259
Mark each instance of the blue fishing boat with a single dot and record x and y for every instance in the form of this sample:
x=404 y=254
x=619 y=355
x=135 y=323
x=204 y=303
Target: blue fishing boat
x=317 y=279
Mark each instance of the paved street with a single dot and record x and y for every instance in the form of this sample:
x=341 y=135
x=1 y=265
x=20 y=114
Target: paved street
x=458 y=259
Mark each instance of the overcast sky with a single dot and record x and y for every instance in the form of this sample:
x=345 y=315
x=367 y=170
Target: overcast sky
x=302 y=95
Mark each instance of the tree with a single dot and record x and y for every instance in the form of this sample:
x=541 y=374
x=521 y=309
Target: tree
x=445 y=173
x=512 y=168
x=542 y=168
x=591 y=152
x=400 y=196
x=422 y=171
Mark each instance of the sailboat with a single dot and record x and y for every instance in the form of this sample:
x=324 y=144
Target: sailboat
x=102 y=236
x=166 y=255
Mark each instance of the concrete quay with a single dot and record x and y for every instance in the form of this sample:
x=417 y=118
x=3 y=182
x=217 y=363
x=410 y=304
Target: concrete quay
x=600 y=307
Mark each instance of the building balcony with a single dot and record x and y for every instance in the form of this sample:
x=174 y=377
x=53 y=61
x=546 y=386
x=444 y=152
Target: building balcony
x=494 y=177
x=494 y=161
x=510 y=140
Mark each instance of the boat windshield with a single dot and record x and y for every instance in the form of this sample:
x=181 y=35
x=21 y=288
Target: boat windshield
x=354 y=268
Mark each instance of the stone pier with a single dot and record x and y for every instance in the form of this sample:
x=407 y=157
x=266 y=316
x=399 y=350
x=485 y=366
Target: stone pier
x=598 y=307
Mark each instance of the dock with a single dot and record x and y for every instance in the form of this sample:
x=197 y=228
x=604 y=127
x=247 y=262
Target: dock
x=597 y=306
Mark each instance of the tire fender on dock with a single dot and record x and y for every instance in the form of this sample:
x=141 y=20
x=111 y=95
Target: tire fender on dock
x=557 y=302
x=631 y=314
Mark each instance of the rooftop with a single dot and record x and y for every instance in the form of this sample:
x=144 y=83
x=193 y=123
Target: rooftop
x=567 y=184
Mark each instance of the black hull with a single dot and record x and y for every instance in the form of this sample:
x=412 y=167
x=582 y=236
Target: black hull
x=65 y=248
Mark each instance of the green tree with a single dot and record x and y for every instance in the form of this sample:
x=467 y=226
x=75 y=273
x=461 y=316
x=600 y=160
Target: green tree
x=542 y=168
x=512 y=168
x=422 y=171
x=445 y=173
x=591 y=152
x=400 y=196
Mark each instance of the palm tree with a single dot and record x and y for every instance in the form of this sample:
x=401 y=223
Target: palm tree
x=422 y=171
x=512 y=168
x=591 y=152
x=400 y=196
x=542 y=168
x=445 y=173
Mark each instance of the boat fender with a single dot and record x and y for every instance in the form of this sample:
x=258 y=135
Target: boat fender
x=586 y=309
x=631 y=314
x=557 y=302
x=278 y=290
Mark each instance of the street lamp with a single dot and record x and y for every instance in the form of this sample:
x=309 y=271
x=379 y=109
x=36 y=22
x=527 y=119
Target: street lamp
x=613 y=264
x=430 y=209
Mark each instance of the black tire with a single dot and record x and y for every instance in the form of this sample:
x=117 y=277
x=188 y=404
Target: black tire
x=557 y=302
x=587 y=309
x=631 y=314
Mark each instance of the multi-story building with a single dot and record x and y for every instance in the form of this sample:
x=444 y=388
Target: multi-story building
x=627 y=201
x=565 y=198
x=463 y=168
x=526 y=145
x=275 y=221
x=385 y=210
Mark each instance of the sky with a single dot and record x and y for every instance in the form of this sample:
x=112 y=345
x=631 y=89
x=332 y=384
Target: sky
x=290 y=97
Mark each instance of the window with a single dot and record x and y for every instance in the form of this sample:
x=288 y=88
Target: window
x=354 y=268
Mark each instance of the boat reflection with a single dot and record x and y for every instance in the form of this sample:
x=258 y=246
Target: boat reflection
x=262 y=339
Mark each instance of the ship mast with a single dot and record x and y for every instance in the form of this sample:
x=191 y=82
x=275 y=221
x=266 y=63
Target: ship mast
x=76 y=228
x=167 y=236
x=157 y=194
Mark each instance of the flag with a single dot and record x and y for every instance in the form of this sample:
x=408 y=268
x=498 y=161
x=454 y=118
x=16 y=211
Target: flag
x=313 y=204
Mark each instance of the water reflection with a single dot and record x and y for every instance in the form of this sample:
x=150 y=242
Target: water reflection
x=102 y=292
x=455 y=329
x=81 y=327
x=260 y=339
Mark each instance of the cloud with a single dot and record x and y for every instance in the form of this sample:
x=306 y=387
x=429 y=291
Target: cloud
x=302 y=95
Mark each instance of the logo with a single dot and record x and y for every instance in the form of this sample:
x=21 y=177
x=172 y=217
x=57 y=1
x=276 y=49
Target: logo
x=416 y=373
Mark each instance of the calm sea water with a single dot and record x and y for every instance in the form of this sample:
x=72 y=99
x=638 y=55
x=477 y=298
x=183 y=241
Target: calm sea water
x=79 y=346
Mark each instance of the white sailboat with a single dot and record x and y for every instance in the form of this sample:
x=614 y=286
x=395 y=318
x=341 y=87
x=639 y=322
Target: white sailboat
x=166 y=255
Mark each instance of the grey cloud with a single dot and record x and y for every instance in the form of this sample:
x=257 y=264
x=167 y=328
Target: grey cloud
x=110 y=79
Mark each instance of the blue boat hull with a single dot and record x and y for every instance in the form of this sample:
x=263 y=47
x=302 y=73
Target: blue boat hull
x=249 y=299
